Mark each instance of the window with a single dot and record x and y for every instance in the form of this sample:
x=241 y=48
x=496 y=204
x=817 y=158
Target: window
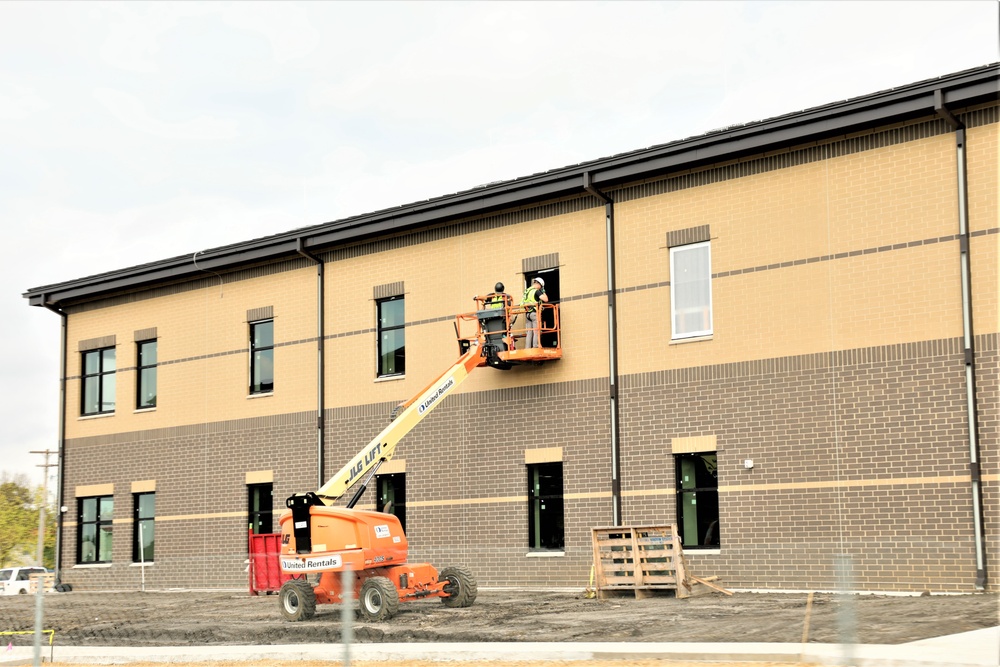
x=391 y=337
x=260 y=508
x=548 y=317
x=143 y=527
x=262 y=357
x=691 y=290
x=93 y=544
x=98 y=396
x=392 y=496
x=146 y=386
x=698 y=499
x=545 y=506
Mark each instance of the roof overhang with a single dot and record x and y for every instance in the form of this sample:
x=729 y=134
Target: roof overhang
x=959 y=90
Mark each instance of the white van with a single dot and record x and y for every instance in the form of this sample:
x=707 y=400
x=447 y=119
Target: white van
x=16 y=580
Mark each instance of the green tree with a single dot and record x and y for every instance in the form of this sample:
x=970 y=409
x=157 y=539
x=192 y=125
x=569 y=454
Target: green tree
x=18 y=519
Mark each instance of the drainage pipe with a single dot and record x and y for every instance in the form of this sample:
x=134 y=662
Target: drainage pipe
x=300 y=247
x=968 y=335
x=62 y=430
x=616 y=463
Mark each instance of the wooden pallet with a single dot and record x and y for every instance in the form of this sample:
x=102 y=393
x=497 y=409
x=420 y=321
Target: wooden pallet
x=640 y=559
x=48 y=586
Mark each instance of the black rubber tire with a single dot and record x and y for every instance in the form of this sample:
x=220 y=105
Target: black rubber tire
x=461 y=587
x=378 y=599
x=297 y=600
x=23 y=591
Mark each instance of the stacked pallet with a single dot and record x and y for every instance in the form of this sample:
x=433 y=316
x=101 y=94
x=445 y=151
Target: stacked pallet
x=643 y=560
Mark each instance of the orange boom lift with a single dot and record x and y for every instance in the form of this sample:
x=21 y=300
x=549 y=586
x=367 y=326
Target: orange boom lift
x=317 y=538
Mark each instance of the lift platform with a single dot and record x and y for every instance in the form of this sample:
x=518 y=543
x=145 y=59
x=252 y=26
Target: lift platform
x=504 y=333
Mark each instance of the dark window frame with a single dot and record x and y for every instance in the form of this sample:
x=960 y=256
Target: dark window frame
x=100 y=523
x=101 y=375
x=704 y=486
x=399 y=357
x=261 y=351
x=142 y=372
x=256 y=513
x=546 y=533
x=396 y=505
x=140 y=519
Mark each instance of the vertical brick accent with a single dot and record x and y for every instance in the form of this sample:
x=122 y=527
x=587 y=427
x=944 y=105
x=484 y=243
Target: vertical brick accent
x=263 y=313
x=540 y=262
x=689 y=235
x=388 y=290
x=97 y=343
x=144 y=334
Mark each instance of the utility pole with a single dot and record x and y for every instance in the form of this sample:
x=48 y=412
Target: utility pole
x=40 y=581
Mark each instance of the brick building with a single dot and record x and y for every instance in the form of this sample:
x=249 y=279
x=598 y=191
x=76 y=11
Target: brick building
x=781 y=336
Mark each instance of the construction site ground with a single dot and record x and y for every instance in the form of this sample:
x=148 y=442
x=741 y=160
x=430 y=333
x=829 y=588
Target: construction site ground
x=186 y=618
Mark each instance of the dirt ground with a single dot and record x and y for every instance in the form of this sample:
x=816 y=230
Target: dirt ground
x=179 y=618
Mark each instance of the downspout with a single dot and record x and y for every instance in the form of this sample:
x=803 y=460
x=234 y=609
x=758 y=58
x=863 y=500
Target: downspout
x=616 y=463
x=320 y=359
x=62 y=431
x=968 y=335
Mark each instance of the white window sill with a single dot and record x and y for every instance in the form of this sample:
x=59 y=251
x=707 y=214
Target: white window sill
x=389 y=378
x=148 y=563
x=261 y=395
x=703 y=552
x=141 y=410
x=103 y=415
x=545 y=554
x=91 y=566
x=692 y=339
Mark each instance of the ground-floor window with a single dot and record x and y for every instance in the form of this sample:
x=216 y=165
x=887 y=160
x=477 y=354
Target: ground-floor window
x=93 y=544
x=260 y=508
x=143 y=540
x=545 y=506
x=697 y=499
x=392 y=496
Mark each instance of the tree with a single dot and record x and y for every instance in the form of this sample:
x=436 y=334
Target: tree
x=18 y=519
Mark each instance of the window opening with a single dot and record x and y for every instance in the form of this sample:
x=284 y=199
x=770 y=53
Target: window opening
x=98 y=381
x=545 y=506
x=698 y=499
x=143 y=527
x=260 y=508
x=392 y=496
x=94 y=530
x=262 y=357
x=551 y=278
x=146 y=386
x=691 y=290
x=391 y=337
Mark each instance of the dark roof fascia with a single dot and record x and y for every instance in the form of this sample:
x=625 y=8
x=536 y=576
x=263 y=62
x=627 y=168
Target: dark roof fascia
x=959 y=90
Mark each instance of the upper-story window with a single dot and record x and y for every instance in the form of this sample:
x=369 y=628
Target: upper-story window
x=391 y=337
x=98 y=395
x=691 y=290
x=146 y=385
x=262 y=357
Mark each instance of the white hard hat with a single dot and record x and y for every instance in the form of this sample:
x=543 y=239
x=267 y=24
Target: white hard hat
x=540 y=281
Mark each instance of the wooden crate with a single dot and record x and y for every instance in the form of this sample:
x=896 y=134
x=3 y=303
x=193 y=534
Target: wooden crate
x=640 y=559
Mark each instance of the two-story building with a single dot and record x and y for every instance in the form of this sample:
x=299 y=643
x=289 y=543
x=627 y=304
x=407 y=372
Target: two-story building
x=780 y=336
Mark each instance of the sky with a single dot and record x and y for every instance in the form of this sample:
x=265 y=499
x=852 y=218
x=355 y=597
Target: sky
x=135 y=132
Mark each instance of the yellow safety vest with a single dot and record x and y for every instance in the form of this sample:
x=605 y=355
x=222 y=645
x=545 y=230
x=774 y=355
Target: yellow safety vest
x=529 y=298
x=494 y=302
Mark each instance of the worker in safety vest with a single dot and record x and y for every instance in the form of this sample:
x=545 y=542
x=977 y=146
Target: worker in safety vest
x=533 y=294
x=498 y=299
x=497 y=327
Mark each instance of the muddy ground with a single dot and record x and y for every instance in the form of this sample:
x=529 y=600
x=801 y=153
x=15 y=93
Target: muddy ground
x=178 y=618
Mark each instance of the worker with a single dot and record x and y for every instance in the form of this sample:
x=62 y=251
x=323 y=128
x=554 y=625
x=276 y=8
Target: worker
x=496 y=325
x=533 y=294
x=498 y=299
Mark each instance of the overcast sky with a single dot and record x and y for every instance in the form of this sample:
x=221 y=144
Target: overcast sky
x=133 y=132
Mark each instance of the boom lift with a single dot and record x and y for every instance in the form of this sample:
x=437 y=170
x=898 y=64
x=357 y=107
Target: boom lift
x=319 y=538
